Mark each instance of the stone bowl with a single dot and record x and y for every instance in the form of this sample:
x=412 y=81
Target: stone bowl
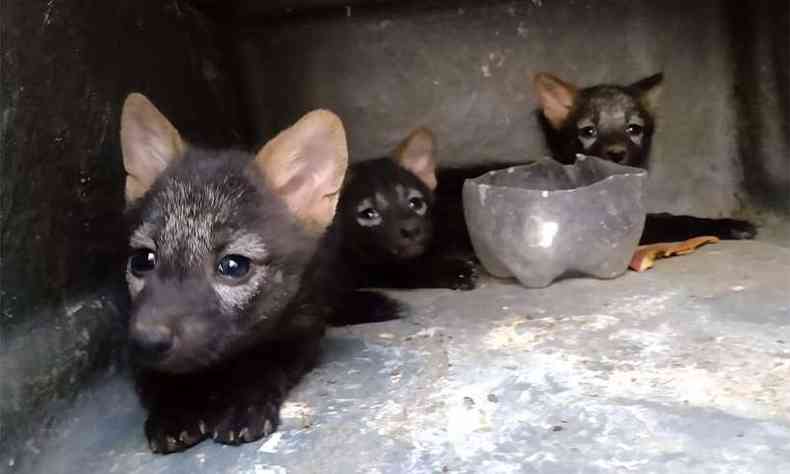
x=544 y=220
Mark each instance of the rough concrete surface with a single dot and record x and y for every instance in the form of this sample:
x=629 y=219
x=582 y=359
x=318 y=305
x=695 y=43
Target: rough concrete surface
x=464 y=68
x=65 y=69
x=684 y=368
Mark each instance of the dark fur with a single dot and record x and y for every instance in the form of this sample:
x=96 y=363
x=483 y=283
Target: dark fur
x=231 y=367
x=401 y=251
x=610 y=110
x=402 y=233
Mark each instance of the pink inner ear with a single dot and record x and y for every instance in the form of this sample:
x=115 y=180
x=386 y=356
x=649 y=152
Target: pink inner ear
x=416 y=155
x=423 y=167
x=149 y=143
x=556 y=98
x=305 y=165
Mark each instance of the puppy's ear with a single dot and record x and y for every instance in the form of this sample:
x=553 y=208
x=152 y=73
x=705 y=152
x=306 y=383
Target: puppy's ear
x=416 y=154
x=556 y=97
x=149 y=143
x=649 y=90
x=305 y=165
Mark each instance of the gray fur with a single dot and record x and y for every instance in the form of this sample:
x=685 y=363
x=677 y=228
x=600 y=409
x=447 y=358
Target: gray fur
x=381 y=201
x=237 y=297
x=610 y=116
x=187 y=233
x=207 y=207
x=187 y=229
x=609 y=121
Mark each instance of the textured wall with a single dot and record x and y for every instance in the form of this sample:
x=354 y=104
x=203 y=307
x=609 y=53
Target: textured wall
x=66 y=68
x=759 y=40
x=464 y=71
x=460 y=67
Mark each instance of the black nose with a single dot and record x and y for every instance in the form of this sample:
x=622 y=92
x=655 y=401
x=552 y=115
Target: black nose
x=410 y=230
x=151 y=342
x=615 y=154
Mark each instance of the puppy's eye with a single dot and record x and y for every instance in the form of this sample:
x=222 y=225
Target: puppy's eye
x=368 y=214
x=233 y=266
x=634 y=130
x=418 y=205
x=588 y=132
x=142 y=261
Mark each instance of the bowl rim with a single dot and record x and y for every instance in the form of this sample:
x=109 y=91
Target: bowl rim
x=628 y=171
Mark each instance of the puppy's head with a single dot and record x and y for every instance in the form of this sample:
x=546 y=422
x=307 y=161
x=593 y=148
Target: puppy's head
x=385 y=210
x=222 y=238
x=608 y=121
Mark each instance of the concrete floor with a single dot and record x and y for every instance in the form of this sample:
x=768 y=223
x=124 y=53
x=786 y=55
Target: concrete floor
x=682 y=369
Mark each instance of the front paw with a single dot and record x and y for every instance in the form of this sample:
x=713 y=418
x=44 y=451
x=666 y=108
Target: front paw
x=174 y=431
x=459 y=274
x=244 y=422
x=736 y=229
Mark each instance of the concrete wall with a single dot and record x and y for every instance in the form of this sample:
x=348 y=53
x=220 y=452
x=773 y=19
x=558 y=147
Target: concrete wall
x=759 y=41
x=66 y=69
x=463 y=69
x=460 y=67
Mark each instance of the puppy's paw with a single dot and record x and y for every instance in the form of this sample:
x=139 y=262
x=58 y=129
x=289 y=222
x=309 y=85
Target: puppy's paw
x=736 y=229
x=244 y=422
x=459 y=274
x=172 y=432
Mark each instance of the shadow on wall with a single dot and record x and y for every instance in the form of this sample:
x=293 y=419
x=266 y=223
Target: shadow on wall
x=759 y=33
x=463 y=69
x=66 y=69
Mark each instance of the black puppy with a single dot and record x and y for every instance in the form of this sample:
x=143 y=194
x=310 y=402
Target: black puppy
x=225 y=273
x=617 y=123
x=386 y=225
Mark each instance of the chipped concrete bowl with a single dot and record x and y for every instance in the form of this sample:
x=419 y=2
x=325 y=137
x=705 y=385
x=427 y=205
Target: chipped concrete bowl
x=543 y=220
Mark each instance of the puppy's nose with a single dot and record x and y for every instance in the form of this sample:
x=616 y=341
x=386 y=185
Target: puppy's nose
x=615 y=153
x=410 y=230
x=151 y=342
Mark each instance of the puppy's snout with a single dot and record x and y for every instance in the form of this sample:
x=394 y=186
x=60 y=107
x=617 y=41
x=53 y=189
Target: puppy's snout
x=616 y=153
x=151 y=342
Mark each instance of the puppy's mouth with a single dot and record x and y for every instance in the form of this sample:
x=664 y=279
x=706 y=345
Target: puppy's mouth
x=174 y=361
x=408 y=251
